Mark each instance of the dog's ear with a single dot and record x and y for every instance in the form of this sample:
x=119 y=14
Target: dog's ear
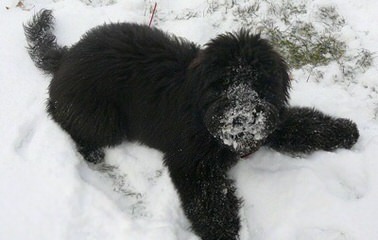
x=197 y=61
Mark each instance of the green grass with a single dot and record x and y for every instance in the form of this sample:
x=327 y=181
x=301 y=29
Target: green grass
x=305 y=39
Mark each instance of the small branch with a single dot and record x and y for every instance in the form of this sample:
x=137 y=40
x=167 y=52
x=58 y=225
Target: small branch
x=153 y=14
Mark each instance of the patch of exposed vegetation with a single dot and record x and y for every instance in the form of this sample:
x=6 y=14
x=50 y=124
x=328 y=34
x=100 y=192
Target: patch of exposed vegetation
x=307 y=35
x=305 y=41
x=97 y=3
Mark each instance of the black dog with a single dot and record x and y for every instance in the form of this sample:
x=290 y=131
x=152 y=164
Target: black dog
x=204 y=108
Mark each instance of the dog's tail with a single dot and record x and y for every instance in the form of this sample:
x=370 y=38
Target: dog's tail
x=42 y=45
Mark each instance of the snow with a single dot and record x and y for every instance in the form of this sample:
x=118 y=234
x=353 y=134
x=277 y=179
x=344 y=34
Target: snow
x=240 y=127
x=48 y=192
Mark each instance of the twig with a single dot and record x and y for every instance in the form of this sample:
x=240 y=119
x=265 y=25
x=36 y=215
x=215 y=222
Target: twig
x=153 y=14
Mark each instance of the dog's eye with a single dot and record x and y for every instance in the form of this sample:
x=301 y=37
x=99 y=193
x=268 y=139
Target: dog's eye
x=226 y=81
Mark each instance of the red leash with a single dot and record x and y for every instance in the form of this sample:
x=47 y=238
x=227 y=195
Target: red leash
x=153 y=14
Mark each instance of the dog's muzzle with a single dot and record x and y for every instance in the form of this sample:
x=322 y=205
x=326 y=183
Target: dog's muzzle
x=241 y=119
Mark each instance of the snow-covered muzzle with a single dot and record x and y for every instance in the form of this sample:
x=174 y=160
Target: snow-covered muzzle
x=240 y=119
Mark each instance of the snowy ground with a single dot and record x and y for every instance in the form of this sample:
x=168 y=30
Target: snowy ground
x=48 y=192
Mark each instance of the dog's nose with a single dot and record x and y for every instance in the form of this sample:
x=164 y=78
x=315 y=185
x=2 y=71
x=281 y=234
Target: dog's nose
x=239 y=121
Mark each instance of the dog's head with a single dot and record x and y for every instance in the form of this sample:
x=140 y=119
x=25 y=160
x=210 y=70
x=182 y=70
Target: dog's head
x=241 y=89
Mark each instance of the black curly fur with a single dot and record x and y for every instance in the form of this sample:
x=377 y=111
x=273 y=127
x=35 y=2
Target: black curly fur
x=304 y=130
x=42 y=45
x=127 y=81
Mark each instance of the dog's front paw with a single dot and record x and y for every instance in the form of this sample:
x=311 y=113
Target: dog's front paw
x=304 y=130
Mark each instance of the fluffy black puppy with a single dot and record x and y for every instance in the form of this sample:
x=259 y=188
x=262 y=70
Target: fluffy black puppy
x=203 y=108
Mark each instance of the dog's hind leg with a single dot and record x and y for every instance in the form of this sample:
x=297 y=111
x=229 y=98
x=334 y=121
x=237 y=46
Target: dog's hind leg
x=92 y=125
x=89 y=152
